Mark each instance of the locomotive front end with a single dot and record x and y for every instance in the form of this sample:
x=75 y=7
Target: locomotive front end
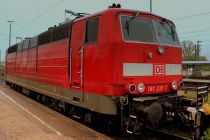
x=151 y=55
x=150 y=58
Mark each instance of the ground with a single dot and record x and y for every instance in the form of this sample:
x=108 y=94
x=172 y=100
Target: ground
x=22 y=119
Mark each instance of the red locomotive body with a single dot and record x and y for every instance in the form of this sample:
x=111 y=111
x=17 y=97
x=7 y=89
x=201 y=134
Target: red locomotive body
x=101 y=62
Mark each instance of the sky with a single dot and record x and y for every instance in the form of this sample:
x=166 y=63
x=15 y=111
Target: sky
x=31 y=17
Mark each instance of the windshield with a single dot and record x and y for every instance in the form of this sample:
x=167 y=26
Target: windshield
x=139 y=30
x=166 y=33
x=142 y=30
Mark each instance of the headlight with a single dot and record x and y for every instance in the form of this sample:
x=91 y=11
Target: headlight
x=141 y=87
x=174 y=85
x=132 y=88
x=161 y=50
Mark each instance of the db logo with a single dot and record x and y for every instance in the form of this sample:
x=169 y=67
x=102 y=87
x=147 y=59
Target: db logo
x=159 y=69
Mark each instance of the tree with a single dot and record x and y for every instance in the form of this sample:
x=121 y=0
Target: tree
x=188 y=51
x=188 y=54
x=203 y=58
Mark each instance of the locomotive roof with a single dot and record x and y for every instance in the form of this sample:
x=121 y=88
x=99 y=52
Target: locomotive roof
x=115 y=11
x=46 y=31
x=108 y=11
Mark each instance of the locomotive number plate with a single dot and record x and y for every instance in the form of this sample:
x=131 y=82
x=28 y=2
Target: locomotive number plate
x=157 y=88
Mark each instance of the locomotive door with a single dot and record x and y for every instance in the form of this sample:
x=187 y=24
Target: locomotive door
x=77 y=42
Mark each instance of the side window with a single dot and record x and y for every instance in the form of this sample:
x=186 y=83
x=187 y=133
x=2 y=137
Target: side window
x=20 y=46
x=25 y=44
x=33 y=42
x=91 y=35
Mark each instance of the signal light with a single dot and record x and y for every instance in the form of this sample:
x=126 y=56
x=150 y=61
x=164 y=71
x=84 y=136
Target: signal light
x=132 y=88
x=174 y=85
x=161 y=50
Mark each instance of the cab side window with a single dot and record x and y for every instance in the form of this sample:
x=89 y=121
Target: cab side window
x=91 y=35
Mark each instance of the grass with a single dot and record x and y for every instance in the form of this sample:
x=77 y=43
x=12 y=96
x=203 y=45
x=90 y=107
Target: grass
x=191 y=94
x=188 y=94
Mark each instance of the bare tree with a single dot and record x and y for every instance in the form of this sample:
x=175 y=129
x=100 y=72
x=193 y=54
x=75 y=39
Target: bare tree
x=188 y=51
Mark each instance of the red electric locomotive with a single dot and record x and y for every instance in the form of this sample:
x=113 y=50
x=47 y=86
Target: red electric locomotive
x=122 y=63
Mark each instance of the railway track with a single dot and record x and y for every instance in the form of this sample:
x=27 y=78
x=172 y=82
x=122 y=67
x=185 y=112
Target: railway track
x=197 y=81
x=191 y=84
x=147 y=134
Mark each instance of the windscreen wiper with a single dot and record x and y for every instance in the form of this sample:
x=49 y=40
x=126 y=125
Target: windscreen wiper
x=172 y=32
x=128 y=23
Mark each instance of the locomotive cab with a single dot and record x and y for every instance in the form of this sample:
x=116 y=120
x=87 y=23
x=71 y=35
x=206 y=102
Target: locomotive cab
x=147 y=63
x=129 y=52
